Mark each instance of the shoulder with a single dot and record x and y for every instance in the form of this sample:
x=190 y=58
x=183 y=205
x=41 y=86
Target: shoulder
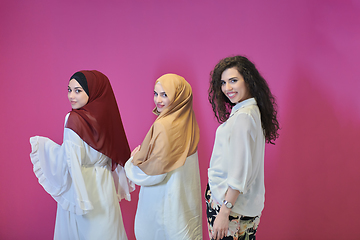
x=66 y=118
x=72 y=117
x=250 y=112
x=159 y=131
x=71 y=136
x=252 y=109
x=246 y=118
x=243 y=115
x=159 y=126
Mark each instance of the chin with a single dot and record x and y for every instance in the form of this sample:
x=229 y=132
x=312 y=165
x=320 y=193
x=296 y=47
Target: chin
x=235 y=101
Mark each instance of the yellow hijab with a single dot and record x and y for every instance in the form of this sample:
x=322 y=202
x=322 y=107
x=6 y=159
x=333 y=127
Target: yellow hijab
x=175 y=133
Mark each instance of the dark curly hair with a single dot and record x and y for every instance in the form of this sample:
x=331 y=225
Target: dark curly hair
x=258 y=88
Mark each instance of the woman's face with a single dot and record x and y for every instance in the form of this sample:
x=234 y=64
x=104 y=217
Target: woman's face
x=234 y=86
x=160 y=98
x=76 y=94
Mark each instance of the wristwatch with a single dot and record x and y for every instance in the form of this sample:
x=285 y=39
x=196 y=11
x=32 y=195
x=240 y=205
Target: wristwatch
x=228 y=204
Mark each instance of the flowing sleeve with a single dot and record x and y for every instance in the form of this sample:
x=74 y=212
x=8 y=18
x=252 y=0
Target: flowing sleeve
x=50 y=165
x=123 y=185
x=240 y=154
x=136 y=175
x=58 y=169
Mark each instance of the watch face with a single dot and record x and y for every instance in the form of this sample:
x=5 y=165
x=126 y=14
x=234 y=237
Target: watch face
x=228 y=204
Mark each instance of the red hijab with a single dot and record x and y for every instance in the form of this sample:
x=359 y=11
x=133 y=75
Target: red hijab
x=98 y=123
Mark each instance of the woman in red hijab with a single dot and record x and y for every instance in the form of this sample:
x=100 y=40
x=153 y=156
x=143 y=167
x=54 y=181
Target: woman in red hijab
x=77 y=174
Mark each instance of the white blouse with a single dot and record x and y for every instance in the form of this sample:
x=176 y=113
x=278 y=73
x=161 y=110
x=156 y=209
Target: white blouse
x=79 y=178
x=237 y=159
x=169 y=205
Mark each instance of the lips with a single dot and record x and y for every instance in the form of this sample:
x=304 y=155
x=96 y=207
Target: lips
x=231 y=94
x=159 y=105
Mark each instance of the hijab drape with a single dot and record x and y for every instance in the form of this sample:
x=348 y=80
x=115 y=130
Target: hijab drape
x=98 y=123
x=175 y=133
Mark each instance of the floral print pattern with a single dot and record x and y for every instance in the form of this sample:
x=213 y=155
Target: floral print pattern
x=240 y=227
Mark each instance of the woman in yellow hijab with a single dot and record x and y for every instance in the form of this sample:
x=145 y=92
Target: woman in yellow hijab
x=166 y=167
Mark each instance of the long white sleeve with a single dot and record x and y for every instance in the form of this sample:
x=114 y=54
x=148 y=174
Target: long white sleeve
x=136 y=175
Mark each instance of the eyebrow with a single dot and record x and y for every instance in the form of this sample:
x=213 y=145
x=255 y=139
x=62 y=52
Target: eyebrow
x=159 y=92
x=232 y=78
x=75 y=87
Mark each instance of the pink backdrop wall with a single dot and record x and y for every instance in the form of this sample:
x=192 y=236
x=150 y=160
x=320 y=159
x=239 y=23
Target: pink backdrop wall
x=307 y=50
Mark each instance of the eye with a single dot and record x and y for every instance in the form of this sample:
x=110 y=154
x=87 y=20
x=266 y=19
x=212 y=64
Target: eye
x=69 y=90
x=155 y=94
x=222 y=82
x=164 y=95
x=234 y=80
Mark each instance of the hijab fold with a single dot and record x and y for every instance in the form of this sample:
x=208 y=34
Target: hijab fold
x=175 y=133
x=98 y=123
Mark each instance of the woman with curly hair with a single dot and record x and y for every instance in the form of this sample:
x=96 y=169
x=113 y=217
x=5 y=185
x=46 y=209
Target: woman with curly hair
x=242 y=102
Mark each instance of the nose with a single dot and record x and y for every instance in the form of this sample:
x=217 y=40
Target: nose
x=71 y=95
x=158 y=99
x=227 y=86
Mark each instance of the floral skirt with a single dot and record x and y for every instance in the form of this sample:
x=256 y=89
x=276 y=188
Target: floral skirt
x=240 y=227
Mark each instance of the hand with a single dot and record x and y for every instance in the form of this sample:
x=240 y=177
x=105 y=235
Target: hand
x=135 y=151
x=221 y=224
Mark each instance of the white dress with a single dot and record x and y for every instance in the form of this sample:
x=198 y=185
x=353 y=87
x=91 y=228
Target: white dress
x=79 y=178
x=169 y=205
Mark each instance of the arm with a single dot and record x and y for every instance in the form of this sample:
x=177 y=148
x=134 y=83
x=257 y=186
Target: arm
x=136 y=175
x=151 y=158
x=58 y=170
x=240 y=156
x=50 y=165
x=221 y=223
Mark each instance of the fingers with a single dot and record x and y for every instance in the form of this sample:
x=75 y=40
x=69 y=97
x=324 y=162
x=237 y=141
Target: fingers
x=218 y=235
x=135 y=151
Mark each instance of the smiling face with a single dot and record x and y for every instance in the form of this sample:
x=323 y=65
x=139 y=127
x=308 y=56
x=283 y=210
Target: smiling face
x=76 y=94
x=161 y=100
x=233 y=85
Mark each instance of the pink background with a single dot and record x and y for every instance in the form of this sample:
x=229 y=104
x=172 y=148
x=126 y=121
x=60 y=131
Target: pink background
x=307 y=50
